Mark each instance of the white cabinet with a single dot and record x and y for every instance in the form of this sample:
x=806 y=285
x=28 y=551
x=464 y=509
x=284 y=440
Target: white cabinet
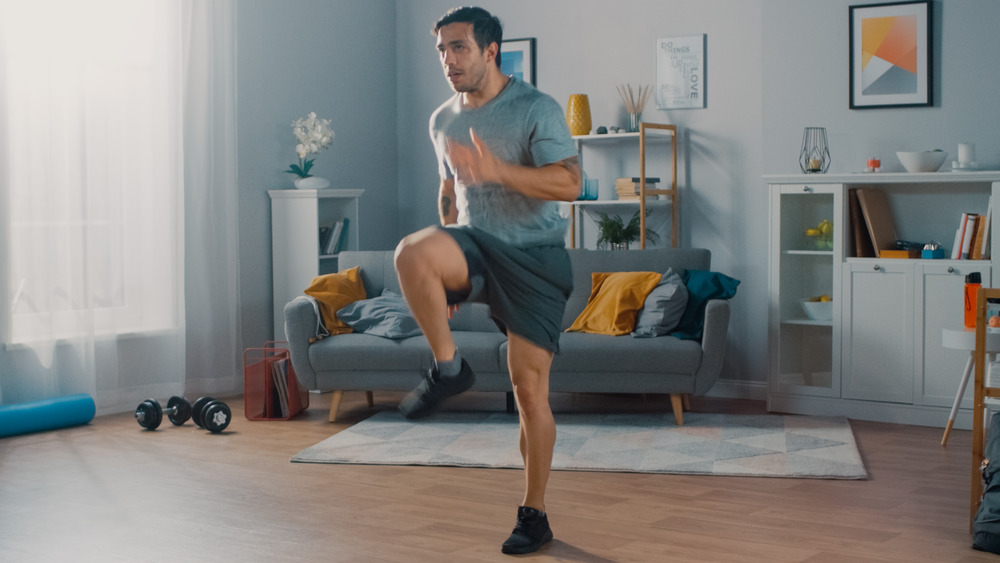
x=805 y=355
x=877 y=310
x=880 y=356
x=296 y=219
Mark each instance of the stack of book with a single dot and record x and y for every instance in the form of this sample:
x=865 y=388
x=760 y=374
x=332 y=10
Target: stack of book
x=973 y=236
x=628 y=188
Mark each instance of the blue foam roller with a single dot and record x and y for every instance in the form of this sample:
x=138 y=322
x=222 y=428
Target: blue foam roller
x=47 y=414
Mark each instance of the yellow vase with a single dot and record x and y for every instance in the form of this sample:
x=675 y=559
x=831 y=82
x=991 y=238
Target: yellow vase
x=578 y=114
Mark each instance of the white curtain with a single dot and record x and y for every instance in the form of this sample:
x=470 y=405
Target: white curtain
x=112 y=140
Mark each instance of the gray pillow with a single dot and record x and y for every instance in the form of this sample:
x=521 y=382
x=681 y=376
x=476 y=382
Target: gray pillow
x=387 y=316
x=663 y=308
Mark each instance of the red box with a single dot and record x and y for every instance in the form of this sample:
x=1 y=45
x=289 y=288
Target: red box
x=270 y=387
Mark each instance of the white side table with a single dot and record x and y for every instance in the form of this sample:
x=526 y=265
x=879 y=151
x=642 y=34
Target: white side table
x=965 y=339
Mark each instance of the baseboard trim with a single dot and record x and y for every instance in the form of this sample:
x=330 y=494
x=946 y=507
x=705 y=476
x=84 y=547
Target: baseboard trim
x=737 y=389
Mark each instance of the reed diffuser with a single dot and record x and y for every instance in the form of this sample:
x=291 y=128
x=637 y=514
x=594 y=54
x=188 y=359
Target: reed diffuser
x=634 y=103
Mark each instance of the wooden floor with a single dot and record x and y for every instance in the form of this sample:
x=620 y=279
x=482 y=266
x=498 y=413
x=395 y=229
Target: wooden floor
x=110 y=491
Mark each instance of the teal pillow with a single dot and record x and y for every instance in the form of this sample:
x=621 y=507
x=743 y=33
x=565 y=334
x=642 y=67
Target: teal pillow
x=702 y=286
x=387 y=316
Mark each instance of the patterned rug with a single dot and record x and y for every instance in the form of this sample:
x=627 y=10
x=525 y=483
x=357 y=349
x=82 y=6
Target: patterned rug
x=707 y=444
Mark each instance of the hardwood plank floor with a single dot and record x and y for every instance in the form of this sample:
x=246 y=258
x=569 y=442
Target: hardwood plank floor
x=110 y=491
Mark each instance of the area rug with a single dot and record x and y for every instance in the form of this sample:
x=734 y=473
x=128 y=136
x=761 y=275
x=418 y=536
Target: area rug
x=707 y=444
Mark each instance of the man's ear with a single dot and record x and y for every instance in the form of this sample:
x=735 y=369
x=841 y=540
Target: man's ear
x=491 y=52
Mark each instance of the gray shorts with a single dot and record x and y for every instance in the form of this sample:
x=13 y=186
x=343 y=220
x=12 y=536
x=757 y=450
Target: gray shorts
x=525 y=288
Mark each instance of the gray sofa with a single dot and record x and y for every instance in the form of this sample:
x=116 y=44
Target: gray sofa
x=587 y=362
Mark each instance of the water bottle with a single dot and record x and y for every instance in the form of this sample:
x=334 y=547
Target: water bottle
x=973 y=282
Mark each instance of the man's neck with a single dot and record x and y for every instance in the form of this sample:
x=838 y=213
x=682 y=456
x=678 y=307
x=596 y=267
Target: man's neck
x=495 y=83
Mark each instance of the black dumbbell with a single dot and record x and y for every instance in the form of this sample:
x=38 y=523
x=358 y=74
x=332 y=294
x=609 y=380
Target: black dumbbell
x=149 y=414
x=212 y=415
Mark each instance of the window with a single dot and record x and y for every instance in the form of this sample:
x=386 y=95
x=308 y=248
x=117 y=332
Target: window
x=94 y=166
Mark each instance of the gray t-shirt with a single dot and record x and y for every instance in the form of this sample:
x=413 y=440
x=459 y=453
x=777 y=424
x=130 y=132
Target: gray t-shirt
x=520 y=125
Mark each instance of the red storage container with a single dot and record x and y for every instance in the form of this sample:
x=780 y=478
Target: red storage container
x=270 y=388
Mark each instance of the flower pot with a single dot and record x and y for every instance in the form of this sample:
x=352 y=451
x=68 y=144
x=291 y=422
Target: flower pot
x=311 y=183
x=619 y=246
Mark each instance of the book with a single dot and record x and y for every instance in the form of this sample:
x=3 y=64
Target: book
x=279 y=374
x=984 y=246
x=863 y=247
x=968 y=232
x=342 y=239
x=334 y=239
x=878 y=216
x=629 y=188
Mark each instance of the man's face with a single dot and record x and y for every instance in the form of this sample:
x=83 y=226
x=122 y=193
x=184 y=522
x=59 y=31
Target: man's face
x=464 y=63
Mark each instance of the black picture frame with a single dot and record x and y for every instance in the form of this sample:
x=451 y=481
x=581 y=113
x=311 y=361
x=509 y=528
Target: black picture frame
x=890 y=55
x=518 y=59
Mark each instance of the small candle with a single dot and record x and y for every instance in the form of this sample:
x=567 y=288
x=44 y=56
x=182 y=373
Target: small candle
x=815 y=164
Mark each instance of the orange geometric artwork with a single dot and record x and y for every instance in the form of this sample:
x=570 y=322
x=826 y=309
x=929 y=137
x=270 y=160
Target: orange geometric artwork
x=889 y=55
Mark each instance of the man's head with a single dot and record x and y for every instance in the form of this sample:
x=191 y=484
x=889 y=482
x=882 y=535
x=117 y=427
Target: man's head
x=486 y=28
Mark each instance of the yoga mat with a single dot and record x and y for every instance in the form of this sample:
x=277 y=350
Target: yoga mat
x=47 y=414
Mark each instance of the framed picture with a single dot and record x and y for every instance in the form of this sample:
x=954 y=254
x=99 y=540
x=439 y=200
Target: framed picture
x=680 y=72
x=517 y=57
x=890 y=55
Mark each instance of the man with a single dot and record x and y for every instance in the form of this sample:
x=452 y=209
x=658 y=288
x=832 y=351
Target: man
x=505 y=159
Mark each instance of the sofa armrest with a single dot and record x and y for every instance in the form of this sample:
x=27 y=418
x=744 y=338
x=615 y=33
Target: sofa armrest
x=713 y=344
x=300 y=331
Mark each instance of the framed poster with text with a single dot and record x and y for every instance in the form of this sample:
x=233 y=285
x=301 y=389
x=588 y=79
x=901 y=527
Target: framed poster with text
x=680 y=72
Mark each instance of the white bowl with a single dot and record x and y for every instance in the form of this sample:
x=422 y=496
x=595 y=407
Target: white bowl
x=818 y=310
x=922 y=161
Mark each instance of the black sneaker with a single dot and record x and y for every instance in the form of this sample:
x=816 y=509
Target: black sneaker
x=434 y=389
x=531 y=532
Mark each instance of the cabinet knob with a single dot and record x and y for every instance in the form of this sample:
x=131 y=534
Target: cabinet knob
x=877 y=267
x=807 y=189
x=951 y=269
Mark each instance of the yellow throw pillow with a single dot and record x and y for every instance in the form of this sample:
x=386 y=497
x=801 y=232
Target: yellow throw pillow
x=614 y=303
x=334 y=292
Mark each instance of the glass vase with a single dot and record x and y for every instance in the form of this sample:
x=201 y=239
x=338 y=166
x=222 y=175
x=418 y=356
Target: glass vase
x=814 y=157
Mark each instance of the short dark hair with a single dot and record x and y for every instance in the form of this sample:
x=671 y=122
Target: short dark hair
x=486 y=28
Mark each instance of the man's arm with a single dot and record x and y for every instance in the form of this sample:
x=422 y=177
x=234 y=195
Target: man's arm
x=559 y=181
x=446 y=202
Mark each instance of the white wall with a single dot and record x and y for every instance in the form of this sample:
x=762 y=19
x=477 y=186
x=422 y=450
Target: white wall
x=805 y=50
x=334 y=57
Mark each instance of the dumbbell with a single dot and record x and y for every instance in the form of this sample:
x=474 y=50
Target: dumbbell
x=149 y=414
x=212 y=415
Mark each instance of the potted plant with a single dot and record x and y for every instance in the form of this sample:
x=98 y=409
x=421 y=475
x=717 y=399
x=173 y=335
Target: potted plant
x=614 y=232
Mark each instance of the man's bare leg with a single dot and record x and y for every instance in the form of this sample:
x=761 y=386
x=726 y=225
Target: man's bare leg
x=429 y=262
x=529 y=367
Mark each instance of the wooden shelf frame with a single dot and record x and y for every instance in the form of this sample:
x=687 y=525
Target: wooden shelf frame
x=670 y=192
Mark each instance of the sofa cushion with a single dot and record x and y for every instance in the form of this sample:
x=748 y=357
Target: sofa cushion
x=702 y=286
x=663 y=308
x=618 y=356
x=387 y=316
x=615 y=300
x=335 y=291
x=367 y=353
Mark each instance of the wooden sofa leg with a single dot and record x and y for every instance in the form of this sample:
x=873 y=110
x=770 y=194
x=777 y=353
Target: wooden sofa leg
x=335 y=404
x=370 y=397
x=677 y=402
x=687 y=401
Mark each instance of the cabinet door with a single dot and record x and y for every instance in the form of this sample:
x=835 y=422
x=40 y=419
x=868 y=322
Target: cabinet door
x=940 y=301
x=878 y=331
x=804 y=354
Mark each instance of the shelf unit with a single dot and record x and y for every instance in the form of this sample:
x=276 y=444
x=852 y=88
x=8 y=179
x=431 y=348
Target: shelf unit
x=880 y=357
x=648 y=132
x=296 y=218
